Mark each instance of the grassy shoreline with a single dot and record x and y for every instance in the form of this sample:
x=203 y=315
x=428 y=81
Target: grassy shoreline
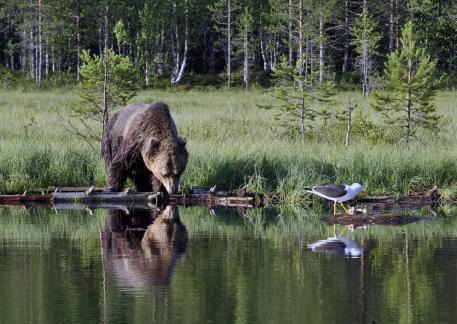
x=231 y=144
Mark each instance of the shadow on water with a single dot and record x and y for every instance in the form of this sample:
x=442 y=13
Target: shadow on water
x=142 y=247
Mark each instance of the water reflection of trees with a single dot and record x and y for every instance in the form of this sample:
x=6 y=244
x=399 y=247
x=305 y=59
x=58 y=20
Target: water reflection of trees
x=251 y=268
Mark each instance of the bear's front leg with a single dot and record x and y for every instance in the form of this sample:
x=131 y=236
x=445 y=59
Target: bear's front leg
x=157 y=185
x=115 y=177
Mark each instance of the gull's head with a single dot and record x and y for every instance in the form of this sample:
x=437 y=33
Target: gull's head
x=357 y=187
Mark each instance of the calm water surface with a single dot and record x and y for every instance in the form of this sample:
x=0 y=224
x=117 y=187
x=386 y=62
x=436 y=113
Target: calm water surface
x=191 y=266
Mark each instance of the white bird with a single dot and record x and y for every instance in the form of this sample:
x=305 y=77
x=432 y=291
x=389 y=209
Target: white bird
x=338 y=193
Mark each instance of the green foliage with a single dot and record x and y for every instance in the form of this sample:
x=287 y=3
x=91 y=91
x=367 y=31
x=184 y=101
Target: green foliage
x=411 y=85
x=231 y=145
x=120 y=82
x=302 y=99
x=121 y=33
x=101 y=91
x=365 y=34
x=365 y=40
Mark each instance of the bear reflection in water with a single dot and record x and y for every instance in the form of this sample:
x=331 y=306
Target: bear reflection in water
x=142 y=247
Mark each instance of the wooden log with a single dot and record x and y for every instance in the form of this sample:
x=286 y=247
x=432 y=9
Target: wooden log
x=389 y=218
x=90 y=197
x=104 y=196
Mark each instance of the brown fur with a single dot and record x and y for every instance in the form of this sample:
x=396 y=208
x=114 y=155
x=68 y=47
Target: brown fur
x=141 y=142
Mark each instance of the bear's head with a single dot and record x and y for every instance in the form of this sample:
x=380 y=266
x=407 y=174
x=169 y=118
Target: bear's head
x=167 y=160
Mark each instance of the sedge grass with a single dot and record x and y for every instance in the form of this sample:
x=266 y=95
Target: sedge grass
x=232 y=144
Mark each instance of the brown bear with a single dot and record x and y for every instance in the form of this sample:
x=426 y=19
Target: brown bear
x=141 y=142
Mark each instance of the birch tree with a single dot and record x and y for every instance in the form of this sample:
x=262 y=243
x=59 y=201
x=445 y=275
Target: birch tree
x=365 y=40
x=180 y=65
x=223 y=14
x=245 y=29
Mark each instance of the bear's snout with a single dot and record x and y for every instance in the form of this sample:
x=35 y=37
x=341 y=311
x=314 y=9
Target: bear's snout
x=172 y=185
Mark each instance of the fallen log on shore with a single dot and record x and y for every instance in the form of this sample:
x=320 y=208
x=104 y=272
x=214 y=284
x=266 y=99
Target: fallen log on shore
x=89 y=196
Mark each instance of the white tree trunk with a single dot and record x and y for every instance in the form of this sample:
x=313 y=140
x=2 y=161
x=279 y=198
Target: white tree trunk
x=229 y=42
x=78 y=43
x=321 y=49
x=300 y=36
x=290 y=17
x=176 y=56
x=181 y=66
x=391 y=27
x=246 y=57
x=40 y=45
x=146 y=72
x=364 y=63
x=346 y=36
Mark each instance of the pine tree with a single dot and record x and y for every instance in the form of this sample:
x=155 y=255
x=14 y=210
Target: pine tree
x=406 y=102
x=302 y=99
x=107 y=82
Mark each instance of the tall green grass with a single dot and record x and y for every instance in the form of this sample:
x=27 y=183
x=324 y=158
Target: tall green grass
x=232 y=144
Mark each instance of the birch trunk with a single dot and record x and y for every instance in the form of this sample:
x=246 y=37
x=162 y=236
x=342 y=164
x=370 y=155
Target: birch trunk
x=181 y=66
x=78 y=43
x=40 y=44
x=365 y=71
x=146 y=72
x=290 y=13
x=346 y=36
x=106 y=104
x=321 y=49
x=246 y=57
x=300 y=36
x=391 y=27
x=229 y=42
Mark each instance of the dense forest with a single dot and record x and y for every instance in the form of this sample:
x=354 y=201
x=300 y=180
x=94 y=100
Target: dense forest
x=234 y=42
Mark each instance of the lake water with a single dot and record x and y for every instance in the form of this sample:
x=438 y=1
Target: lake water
x=194 y=265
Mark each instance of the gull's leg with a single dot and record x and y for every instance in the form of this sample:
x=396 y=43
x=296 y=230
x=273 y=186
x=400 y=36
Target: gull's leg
x=344 y=208
x=334 y=208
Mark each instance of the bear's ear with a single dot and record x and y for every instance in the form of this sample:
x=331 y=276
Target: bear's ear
x=182 y=141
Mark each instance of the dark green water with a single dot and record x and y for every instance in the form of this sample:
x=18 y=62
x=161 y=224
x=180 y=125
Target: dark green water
x=151 y=267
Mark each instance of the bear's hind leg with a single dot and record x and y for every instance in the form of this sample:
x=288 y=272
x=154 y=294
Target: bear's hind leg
x=116 y=176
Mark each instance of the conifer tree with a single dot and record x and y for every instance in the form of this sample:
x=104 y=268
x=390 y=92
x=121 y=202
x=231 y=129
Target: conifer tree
x=302 y=100
x=107 y=82
x=406 y=102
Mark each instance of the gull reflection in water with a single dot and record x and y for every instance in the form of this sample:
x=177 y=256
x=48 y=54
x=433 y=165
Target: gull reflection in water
x=338 y=245
x=142 y=247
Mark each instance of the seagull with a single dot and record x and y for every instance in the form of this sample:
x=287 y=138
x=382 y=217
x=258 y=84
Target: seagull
x=338 y=193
